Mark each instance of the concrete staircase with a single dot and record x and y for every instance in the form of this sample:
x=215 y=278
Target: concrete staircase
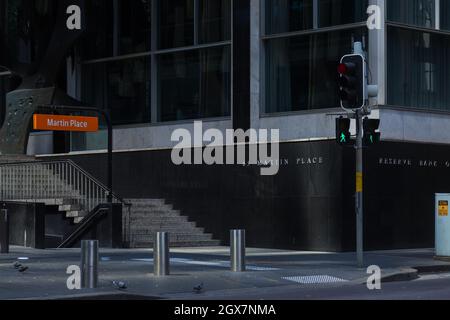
x=54 y=191
x=148 y=216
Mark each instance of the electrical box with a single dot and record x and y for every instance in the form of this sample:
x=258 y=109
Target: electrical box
x=442 y=225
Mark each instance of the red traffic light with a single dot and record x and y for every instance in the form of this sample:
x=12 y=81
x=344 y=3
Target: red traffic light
x=346 y=68
x=342 y=68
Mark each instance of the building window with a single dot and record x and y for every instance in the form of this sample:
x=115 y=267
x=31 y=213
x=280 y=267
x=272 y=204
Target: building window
x=301 y=71
x=135 y=26
x=339 y=12
x=421 y=13
x=117 y=28
x=300 y=67
x=444 y=7
x=295 y=15
x=417 y=60
x=176 y=23
x=189 y=62
x=99 y=38
x=288 y=15
x=215 y=21
x=194 y=84
x=122 y=86
x=413 y=78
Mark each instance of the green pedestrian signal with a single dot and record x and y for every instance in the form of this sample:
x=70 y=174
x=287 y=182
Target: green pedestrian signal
x=371 y=134
x=343 y=136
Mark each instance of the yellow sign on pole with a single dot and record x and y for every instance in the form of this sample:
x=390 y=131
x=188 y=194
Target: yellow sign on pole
x=443 y=208
x=359 y=182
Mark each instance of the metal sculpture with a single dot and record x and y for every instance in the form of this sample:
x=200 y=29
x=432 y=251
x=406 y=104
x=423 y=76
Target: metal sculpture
x=38 y=88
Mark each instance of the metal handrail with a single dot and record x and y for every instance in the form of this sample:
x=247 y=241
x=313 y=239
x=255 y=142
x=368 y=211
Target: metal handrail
x=48 y=180
x=83 y=226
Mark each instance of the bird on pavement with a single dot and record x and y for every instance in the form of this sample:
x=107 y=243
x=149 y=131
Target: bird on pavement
x=198 y=289
x=22 y=269
x=17 y=265
x=120 y=285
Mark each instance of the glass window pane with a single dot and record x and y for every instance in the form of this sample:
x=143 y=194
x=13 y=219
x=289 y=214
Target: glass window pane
x=194 y=84
x=135 y=26
x=121 y=86
x=99 y=31
x=288 y=15
x=301 y=71
x=445 y=14
x=419 y=69
x=336 y=12
x=414 y=12
x=215 y=20
x=176 y=23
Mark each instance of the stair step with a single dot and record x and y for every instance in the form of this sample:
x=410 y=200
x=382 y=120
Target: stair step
x=49 y=202
x=75 y=214
x=169 y=228
x=140 y=208
x=179 y=244
x=158 y=219
x=150 y=214
x=69 y=207
x=164 y=224
x=146 y=201
x=174 y=237
x=77 y=220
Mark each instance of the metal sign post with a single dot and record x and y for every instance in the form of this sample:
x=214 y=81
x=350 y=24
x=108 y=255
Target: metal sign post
x=355 y=93
x=359 y=189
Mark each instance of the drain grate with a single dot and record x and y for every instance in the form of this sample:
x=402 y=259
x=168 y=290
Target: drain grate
x=319 y=279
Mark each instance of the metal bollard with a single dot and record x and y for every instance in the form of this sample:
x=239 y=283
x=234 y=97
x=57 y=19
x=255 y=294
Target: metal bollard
x=161 y=254
x=4 y=231
x=89 y=264
x=237 y=250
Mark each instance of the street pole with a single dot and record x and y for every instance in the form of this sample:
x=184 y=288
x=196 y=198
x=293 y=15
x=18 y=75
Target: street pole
x=359 y=189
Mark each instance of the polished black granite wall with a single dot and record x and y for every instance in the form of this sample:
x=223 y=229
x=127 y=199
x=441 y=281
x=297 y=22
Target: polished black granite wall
x=308 y=205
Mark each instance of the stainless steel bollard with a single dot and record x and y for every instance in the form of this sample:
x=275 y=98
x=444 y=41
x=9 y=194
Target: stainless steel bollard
x=237 y=250
x=161 y=254
x=89 y=264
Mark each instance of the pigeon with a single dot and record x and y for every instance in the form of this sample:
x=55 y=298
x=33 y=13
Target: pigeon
x=17 y=265
x=22 y=269
x=120 y=285
x=198 y=289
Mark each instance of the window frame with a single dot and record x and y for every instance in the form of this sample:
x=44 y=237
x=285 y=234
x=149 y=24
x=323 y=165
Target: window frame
x=265 y=37
x=153 y=55
x=410 y=27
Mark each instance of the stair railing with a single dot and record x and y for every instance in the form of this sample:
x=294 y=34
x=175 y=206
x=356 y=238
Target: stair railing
x=47 y=181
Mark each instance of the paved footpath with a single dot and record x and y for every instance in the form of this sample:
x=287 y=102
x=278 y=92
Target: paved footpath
x=267 y=270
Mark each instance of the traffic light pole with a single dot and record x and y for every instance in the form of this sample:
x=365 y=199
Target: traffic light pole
x=359 y=189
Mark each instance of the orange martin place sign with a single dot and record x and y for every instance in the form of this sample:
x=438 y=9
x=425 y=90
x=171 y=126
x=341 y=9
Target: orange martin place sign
x=47 y=122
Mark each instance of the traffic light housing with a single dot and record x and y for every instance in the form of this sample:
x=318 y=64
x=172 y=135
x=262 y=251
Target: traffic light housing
x=352 y=82
x=343 y=136
x=371 y=134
